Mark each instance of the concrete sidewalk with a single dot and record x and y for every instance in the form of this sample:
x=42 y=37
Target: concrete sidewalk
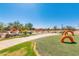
x=8 y=43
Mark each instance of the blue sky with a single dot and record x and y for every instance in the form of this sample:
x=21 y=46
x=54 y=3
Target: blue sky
x=41 y=15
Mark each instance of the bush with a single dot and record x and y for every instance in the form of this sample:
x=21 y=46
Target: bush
x=7 y=36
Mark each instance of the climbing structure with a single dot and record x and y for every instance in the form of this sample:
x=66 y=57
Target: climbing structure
x=66 y=35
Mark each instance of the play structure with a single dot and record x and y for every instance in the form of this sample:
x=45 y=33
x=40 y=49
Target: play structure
x=68 y=31
x=66 y=35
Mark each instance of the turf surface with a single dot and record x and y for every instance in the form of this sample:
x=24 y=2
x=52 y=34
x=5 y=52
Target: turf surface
x=52 y=46
x=23 y=49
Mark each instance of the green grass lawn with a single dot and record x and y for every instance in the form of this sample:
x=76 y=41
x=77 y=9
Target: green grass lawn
x=47 y=46
x=23 y=49
x=52 y=46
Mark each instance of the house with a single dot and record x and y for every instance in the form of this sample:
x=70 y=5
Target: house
x=13 y=31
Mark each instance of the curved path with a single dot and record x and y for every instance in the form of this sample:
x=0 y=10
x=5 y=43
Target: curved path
x=8 y=43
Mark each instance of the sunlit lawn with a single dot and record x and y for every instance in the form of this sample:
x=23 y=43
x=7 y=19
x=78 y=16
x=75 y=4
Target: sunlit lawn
x=23 y=49
x=47 y=46
x=52 y=46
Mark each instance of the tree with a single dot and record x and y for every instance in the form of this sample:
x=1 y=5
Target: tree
x=55 y=28
x=48 y=29
x=29 y=26
x=70 y=28
x=62 y=27
x=1 y=27
x=15 y=24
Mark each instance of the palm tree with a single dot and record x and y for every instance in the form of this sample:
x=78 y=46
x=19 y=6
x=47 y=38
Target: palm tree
x=1 y=27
